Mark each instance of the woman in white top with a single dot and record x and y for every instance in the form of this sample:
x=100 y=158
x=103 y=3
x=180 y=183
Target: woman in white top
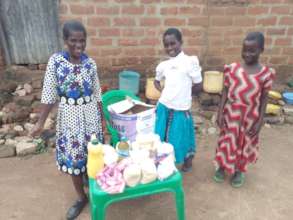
x=174 y=122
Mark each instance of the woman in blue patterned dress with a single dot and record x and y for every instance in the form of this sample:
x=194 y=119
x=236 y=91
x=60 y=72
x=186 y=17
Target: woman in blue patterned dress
x=71 y=80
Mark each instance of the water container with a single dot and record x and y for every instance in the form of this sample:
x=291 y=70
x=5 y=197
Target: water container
x=129 y=80
x=213 y=81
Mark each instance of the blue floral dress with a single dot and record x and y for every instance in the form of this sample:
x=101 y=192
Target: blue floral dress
x=77 y=89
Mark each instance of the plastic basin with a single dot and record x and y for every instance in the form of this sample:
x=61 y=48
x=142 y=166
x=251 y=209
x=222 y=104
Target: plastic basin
x=288 y=97
x=129 y=80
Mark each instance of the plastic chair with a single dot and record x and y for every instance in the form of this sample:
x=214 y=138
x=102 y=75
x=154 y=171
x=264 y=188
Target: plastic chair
x=109 y=98
x=100 y=200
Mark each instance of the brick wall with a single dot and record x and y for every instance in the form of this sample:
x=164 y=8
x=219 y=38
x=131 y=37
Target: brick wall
x=127 y=33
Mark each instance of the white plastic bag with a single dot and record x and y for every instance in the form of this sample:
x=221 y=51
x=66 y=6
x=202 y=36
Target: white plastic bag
x=132 y=175
x=149 y=171
x=166 y=167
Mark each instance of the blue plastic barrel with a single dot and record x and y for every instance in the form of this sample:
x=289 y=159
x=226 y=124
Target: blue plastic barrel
x=129 y=80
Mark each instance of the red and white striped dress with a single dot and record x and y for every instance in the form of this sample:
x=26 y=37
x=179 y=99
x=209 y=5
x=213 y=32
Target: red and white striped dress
x=236 y=149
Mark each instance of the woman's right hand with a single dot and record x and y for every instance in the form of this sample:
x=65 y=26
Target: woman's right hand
x=220 y=120
x=37 y=130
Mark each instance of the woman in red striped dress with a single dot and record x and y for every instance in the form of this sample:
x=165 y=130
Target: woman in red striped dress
x=241 y=111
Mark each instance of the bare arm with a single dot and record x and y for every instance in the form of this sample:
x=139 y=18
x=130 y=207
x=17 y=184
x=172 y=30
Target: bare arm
x=157 y=85
x=196 y=88
x=46 y=109
x=221 y=107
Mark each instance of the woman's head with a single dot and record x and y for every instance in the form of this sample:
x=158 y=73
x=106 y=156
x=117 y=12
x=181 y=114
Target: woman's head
x=253 y=46
x=74 y=36
x=172 y=40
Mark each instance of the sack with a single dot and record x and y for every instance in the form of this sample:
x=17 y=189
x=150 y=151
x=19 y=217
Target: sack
x=166 y=167
x=149 y=171
x=132 y=175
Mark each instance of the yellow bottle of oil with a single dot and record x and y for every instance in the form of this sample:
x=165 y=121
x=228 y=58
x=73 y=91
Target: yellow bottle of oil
x=122 y=148
x=95 y=161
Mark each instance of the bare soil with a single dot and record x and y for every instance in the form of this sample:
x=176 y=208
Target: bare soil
x=32 y=188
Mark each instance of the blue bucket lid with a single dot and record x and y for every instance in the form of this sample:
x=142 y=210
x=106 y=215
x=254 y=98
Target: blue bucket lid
x=288 y=95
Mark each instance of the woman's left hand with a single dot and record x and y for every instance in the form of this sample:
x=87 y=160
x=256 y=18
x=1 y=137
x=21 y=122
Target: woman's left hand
x=255 y=129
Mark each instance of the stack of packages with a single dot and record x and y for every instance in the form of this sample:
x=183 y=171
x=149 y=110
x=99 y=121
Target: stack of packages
x=140 y=162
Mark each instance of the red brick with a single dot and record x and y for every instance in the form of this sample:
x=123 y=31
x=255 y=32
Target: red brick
x=80 y=9
x=270 y=21
x=222 y=21
x=150 y=41
x=233 y=31
x=150 y=21
x=132 y=32
x=270 y=1
x=217 y=11
x=281 y=10
x=128 y=42
x=232 y=50
x=244 y=21
x=111 y=51
x=125 y=1
x=288 y=51
x=169 y=11
x=213 y=61
x=100 y=42
x=107 y=10
x=189 y=10
x=133 y=10
x=278 y=60
x=276 y=31
x=290 y=60
x=272 y=50
x=125 y=61
x=172 y=1
x=98 y=22
x=199 y=41
x=283 y=41
x=150 y=10
x=290 y=31
x=174 y=22
x=109 y=32
x=124 y=21
x=188 y=32
x=192 y=51
x=199 y=21
x=148 y=1
x=139 y=52
x=257 y=10
x=93 y=52
x=235 y=10
x=288 y=20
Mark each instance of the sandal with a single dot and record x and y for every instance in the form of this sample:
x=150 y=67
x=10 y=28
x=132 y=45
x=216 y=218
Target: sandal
x=219 y=176
x=237 y=179
x=76 y=209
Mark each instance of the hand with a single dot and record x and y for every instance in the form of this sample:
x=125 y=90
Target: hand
x=255 y=129
x=36 y=131
x=220 y=120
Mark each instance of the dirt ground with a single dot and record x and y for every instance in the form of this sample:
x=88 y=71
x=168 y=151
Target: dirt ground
x=32 y=188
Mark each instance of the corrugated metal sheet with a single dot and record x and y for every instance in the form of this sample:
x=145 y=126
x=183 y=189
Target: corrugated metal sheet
x=30 y=30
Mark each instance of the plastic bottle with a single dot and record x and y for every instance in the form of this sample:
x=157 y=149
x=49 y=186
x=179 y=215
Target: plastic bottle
x=95 y=162
x=122 y=148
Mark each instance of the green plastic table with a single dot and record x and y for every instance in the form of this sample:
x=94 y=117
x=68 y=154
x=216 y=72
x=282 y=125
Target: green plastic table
x=100 y=200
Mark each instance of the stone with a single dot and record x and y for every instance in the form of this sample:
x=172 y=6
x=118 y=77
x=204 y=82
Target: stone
x=5 y=129
x=198 y=120
x=42 y=66
x=20 y=115
x=34 y=117
x=23 y=139
x=21 y=92
x=207 y=114
x=24 y=100
x=25 y=148
x=5 y=98
x=7 y=151
x=281 y=102
x=33 y=66
x=214 y=118
x=10 y=142
x=37 y=107
x=288 y=109
x=19 y=87
x=266 y=125
x=28 y=88
x=28 y=126
x=8 y=86
x=205 y=99
x=216 y=99
x=18 y=128
x=49 y=124
x=10 y=107
x=37 y=84
x=289 y=119
x=274 y=119
x=2 y=141
x=212 y=130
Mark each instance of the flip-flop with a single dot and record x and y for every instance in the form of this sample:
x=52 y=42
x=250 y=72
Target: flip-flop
x=186 y=169
x=237 y=180
x=219 y=176
x=76 y=209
